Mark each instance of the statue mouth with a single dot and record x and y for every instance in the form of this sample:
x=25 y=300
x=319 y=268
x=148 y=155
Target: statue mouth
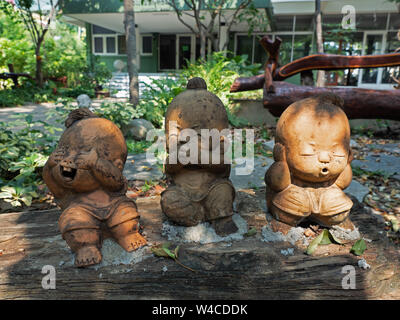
x=324 y=171
x=68 y=173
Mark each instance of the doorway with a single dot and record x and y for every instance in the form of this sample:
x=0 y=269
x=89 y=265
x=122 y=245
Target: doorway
x=167 y=54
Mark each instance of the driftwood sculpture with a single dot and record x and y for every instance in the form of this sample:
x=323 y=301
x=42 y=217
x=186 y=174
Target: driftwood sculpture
x=358 y=103
x=85 y=175
x=197 y=192
x=312 y=163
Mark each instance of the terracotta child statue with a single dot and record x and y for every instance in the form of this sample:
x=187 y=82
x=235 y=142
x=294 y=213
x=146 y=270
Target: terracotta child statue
x=85 y=175
x=312 y=163
x=198 y=192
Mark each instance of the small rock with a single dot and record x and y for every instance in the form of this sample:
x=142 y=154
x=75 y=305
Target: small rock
x=270 y=144
x=345 y=234
x=363 y=264
x=84 y=101
x=137 y=129
x=287 y=252
x=164 y=269
x=354 y=144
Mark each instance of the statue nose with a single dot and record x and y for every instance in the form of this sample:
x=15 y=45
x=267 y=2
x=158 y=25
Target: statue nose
x=324 y=157
x=68 y=162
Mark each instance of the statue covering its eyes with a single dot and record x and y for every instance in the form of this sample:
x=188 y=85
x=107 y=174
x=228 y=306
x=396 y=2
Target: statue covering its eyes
x=85 y=175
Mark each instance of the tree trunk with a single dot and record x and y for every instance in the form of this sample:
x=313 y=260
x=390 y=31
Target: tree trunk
x=131 y=52
x=320 y=43
x=203 y=43
x=358 y=103
x=39 y=73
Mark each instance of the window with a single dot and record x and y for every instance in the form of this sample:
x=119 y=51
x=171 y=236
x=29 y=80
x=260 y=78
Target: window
x=121 y=44
x=107 y=42
x=98 y=45
x=110 y=44
x=147 y=45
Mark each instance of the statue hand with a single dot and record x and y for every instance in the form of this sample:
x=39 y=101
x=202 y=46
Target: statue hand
x=87 y=160
x=279 y=152
x=56 y=157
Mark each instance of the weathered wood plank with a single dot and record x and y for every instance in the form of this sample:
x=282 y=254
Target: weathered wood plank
x=246 y=269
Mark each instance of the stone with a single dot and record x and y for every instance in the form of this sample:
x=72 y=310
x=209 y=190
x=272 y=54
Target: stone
x=384 y=163
x=137 y=129
x=198 y=191
x=84 y=101
x=139 y=167
x=85 y=175
x=203 y=232
x=354 y=144
x=255 y=179
x=357 y=190
x=270 y=144
x=362 y=263
x=312 y=163
x=345 y=234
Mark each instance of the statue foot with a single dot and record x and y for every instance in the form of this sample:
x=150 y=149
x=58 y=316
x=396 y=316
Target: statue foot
x=132 y=241
x=87 y=256
x=224 y=226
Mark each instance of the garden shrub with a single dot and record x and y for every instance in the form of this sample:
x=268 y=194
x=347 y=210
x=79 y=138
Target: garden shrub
x=23 y=153
x=219 y=72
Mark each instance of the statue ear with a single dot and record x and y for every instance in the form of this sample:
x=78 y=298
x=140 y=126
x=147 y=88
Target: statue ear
x=351 y=156
x=119 y=164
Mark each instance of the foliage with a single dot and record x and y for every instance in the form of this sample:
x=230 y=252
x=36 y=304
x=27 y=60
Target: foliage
x=157 y=96
x=136 y=147
x=121 y=113
x=23 y=153
x=96 y=76
x=25 y=93
x=219 y=72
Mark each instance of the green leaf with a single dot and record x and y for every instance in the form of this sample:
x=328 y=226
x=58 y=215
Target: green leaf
x=334 y=239
x=252 y=231
x=170 y=254
x=359 y=247
x=159 y=251
x=314 y=244
x=395 y=225
x=176 y=252
x=326 y=239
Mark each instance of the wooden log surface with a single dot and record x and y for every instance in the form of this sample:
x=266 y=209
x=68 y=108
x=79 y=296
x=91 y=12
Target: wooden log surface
x=358 y=103
x=244 y=269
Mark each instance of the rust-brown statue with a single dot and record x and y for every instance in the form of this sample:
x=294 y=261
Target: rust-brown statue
x=312 y=163
x=197 y=192
x=85 y=175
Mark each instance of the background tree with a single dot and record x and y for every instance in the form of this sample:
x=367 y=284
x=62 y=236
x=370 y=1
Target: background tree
x=130 y=35
x=320 y=41
x=210 y=15
x=37 y=19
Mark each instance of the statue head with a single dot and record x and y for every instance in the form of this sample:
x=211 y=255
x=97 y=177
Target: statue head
x=316 y=135
x=87 y=135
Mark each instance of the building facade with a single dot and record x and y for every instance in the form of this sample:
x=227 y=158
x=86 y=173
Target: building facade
x=164 y=43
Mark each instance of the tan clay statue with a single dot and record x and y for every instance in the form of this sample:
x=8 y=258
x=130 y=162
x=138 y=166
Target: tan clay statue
x=312 y=163
x=85 y=175
x=198 y=192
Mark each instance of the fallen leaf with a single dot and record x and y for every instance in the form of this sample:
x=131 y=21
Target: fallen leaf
x=314 y=244
x=252 y=231
x=359 y=247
